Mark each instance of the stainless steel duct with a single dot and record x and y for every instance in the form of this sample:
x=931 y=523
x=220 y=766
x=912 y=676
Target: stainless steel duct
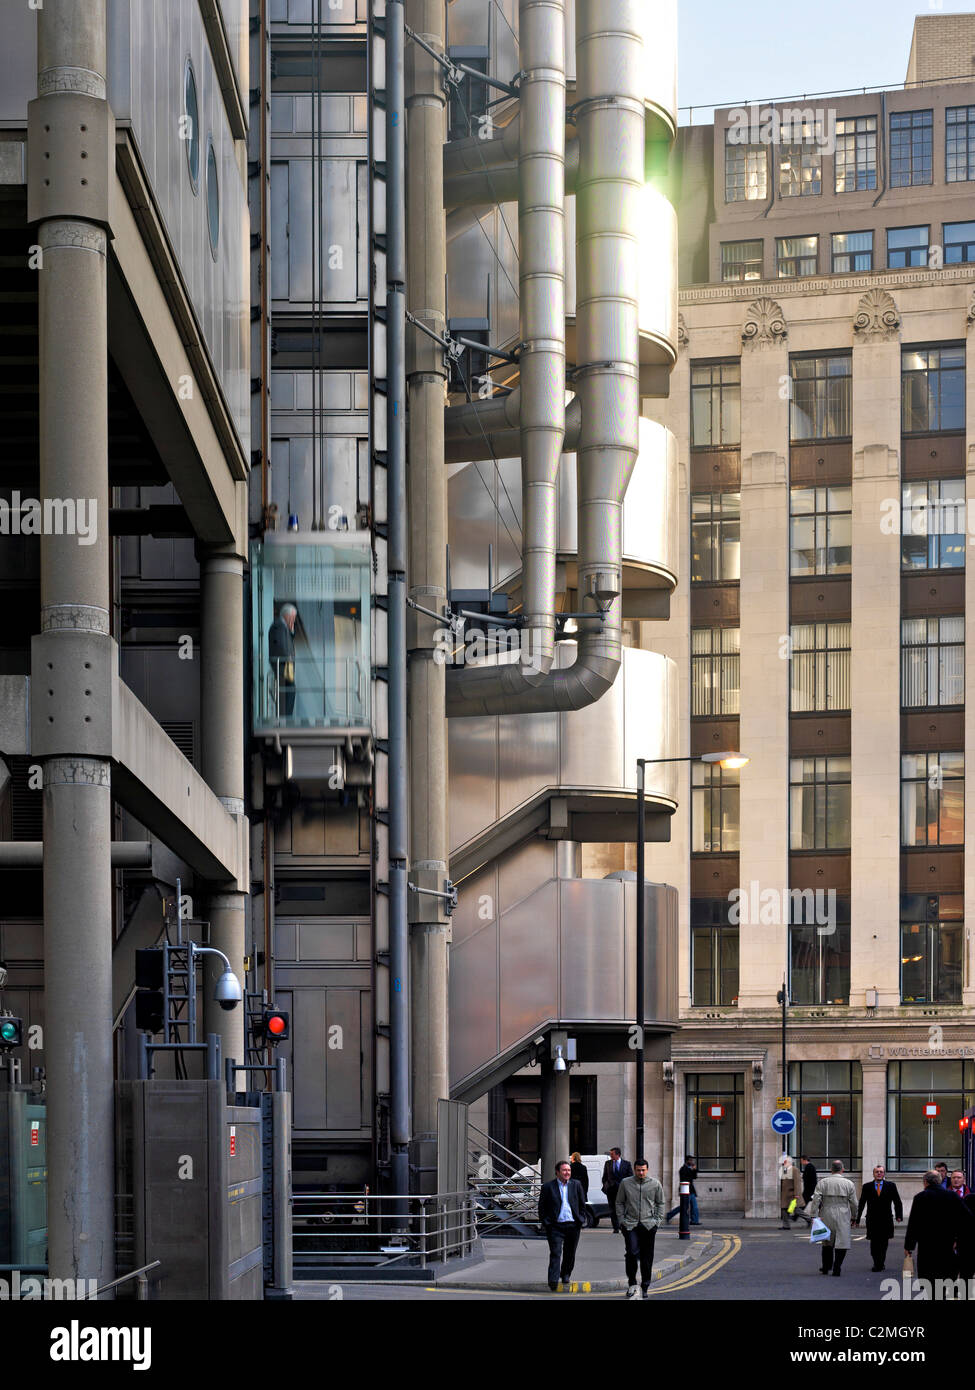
x=541 y=288
x=610 y=119
x=491 y=429
x=481 y=173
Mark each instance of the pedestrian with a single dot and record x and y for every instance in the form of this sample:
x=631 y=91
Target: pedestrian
x=835 y=1203
x=639 y=1208
x=884 y=1206
x=281 y=654
x=562 y=1215
x=615 y=1169
x=809 y=1179
x=688 y=1172
x=942 y=1171
x=936 y=1224
x=580 y=1172
x=790 y=1188
x=958 y=1187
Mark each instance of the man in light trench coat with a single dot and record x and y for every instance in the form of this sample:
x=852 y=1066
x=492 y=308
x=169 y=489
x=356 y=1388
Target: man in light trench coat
x=835 y=1202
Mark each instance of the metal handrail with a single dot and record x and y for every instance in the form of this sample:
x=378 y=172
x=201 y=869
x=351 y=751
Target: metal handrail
x=133 y=1274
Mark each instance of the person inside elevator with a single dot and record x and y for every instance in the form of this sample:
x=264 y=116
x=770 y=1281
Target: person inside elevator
x=281 y=654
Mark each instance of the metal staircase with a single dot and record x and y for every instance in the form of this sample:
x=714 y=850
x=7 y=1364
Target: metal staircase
x=505 y=1188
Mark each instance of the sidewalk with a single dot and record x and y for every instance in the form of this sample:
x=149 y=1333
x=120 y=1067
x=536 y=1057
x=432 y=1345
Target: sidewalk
x=520 y=1266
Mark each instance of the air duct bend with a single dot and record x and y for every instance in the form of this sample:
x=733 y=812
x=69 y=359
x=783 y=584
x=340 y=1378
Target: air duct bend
x=490 y=429
x=610 y=120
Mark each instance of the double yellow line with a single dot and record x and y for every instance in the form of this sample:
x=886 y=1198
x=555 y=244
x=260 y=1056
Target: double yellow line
x=730 y=1245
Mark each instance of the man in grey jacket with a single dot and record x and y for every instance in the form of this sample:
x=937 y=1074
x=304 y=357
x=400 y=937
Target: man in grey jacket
x=639 y=1208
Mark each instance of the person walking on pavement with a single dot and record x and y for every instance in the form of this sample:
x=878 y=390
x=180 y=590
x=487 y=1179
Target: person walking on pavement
x=937 y=1222
x=562 y=1215
x=809 y=1180
x=884 y=1206
x=835 y=1202
x=942 y=1171
x=790 y=1188
x=615 y=1169
x=688 y=1173
x=580 y=1172
x=639 y=1207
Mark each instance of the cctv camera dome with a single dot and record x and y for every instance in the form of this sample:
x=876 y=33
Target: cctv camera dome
x=228 y=992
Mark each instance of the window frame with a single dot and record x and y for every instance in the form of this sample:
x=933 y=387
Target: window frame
x=909 y=250
x=939 y=924
x=822 y=404
x=800 y=187
x=745 y=262
x=806 y=1097
x=968 y=125
x=925 y=160
x=715 y=804
x=717 y=521
x=936 y=537
x=720 y=684
x=827 y=666
x=754 y=159
x=933 y=662
x=835 y=836
x=933 y=816
x=824 y=945
x=853 y=269
x=864 y=170
x=824 y=515
x=790 y=267
x=969 y=245
x=727 y=393
x=709 y=923
x=910 y=374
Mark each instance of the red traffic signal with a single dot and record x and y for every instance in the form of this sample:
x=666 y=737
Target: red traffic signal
x=963 y=1123
x=275 y=1024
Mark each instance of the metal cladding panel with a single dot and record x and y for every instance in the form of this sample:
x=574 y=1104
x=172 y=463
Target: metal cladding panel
x=660 y=58
x=658 y=266
x=529 y=964
x=474 y=1000
x=483 y=508
x=146 y=87
x=651 y=699
x=18 y=62
x=591 y=739
x=593 y=959
x=236 y=22
x=662 y=947
x=472 y=746
x=528 y=757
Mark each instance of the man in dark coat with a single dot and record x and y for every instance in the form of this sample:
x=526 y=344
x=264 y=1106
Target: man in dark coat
x=809 y=1180
x=615 y=1169
x=281 y=654
x=688 y=1172
x=881 y=1199
x=562 y=1215
x=937 y=1221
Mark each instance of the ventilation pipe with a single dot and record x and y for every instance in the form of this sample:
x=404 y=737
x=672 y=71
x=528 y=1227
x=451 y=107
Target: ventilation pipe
x=490 y=429
x=610 y=119
x=481 y=173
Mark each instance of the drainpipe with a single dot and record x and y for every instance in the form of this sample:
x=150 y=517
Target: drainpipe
x=71 y=150
x=610 y=120
x=541 y=287
x=399 y=940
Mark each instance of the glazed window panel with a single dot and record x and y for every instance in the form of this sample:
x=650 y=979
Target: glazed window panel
x=715 y=404
x=715 y=671
x=715 y=537
x=932 y=799
x=911 y=148
x=855 y=160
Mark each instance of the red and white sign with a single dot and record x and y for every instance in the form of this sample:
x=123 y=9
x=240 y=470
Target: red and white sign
x=233 y=1140
x=931 y=1111
x=715 y=1112
x=826 y=1112
x=35 y=1133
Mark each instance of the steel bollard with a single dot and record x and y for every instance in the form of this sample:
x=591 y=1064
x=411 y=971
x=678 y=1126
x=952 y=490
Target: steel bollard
x=684 y=1220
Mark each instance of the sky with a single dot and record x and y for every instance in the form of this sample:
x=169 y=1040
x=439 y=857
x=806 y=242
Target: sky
x=730 y=52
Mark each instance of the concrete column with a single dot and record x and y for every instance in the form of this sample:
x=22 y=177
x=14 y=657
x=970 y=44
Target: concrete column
x=555 y=1120
x=764 y=726
x=222 y=738
x=875 y=677
x=427 y=578
x=874 y=1113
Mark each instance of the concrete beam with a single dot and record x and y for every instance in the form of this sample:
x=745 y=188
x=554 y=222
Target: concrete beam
x=14 y=715
x=29 y=854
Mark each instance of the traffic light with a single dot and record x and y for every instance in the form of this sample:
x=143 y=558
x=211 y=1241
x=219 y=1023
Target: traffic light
x=150 y=966
x=275 y=1024
x=11 y=1031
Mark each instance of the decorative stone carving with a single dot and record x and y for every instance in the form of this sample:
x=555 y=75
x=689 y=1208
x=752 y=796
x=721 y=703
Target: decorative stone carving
x=765 y=324
x=876 y=316
x=682 y=335
x=971 y=312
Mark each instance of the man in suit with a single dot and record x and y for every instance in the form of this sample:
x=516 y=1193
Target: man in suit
x=880 y=1198
x=615 y=1169
x=562 y=1214
x=281 y=654
x=937 y=1221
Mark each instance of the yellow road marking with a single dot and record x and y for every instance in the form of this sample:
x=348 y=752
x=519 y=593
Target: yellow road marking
x=730 y=1245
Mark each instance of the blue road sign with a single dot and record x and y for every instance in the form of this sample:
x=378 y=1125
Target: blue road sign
x=783 y=1122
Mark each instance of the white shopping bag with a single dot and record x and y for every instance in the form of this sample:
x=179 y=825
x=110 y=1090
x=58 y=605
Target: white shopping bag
x=818 y=1231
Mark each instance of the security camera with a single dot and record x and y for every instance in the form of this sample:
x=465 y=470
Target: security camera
x=228 y=992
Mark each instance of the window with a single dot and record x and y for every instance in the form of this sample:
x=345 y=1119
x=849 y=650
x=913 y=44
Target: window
x=819 y=959
x=742 y=260
x=715 y=536
x=933 y=524
x=714 y=809
x=191 y=110
x=800 y=169
x=820 y=673
x=796 y=255
x=932 y=661
x=911 y=148
x=932 y=389
x=915 y=1140
x=959 y=238
x=213 y=200
x=820 y=530
x=855 y=162
x=714 y=953
x=907 y=246
x=715 y=404
x=745 y=171
x=932 y=947
x=852 y=251
x=715 y=1125
x=819 y=803
x=836 y=1134
x=715 y=663
x=932 y=799
x=468 y=96
x=959 y=144
x=821 y=397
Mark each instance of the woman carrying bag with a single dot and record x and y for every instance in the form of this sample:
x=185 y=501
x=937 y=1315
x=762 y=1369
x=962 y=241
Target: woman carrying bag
x=835 y=1203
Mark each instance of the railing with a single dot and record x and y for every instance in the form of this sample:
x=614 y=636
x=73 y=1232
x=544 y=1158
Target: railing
x=348 y=1228
x=504 y=1186
x=314 y=700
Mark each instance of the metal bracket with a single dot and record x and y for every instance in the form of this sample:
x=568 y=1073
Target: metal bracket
x=454 y=345
x=448 y=893
x=454 y=72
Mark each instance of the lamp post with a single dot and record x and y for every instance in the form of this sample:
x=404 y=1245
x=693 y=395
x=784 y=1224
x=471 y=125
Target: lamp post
x=728 y=760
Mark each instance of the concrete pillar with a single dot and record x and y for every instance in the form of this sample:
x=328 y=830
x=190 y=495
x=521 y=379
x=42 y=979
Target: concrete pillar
x=875 y=677
x=427 y=578
x=222 y=728
x=554 y=1120
x=874 y=1113
x=73 y=660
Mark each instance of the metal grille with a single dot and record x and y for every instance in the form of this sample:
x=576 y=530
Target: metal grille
x=26 y=804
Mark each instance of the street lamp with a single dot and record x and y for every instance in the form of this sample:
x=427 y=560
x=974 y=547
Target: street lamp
x=731 y=761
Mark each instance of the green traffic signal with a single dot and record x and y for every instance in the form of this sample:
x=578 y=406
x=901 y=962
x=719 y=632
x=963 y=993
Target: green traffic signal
x=11 y=1032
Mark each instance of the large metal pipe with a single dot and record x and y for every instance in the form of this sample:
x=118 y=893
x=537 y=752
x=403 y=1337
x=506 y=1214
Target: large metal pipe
x=491 y=429
x=541 y=288
x=610 y=119
x=29 y=854
x=482 y=173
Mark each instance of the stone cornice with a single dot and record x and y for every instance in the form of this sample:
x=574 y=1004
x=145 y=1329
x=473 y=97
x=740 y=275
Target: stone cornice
x=749 y=290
